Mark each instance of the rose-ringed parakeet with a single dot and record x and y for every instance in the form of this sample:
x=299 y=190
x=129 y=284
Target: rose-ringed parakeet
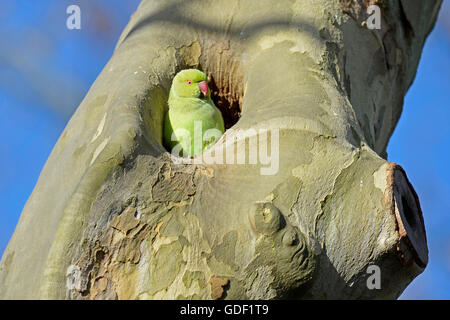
x=193 y=122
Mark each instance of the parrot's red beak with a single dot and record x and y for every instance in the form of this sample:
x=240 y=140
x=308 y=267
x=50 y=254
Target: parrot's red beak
x=204 y=87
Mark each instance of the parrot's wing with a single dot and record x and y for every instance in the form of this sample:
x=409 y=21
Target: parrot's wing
x=218 y=119
x=167 y=134
x=221 y=123
x=177 y=130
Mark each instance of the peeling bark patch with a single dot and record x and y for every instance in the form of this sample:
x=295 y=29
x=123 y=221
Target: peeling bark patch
x=380 y=181
x=287 y=194
x=172 y=227
x=96 y=107
x=190 y=54
x=225 y=251
x=269 y=41
x=176 y=187
x=194 y=276
x=125 y=222
x=158 y=226
x=260 y=288
x=99 y=128
x=100 y=285
x=165 y=266
x=98 y=150
x=73 y=278
x=95 y=274
x=129 y=251
x=217 y=286
x=345 y=219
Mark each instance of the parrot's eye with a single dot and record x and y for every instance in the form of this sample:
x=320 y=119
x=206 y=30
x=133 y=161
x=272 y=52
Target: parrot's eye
x=189 y=82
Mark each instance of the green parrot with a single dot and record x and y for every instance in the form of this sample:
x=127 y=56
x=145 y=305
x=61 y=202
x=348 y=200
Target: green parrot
x=193 y=122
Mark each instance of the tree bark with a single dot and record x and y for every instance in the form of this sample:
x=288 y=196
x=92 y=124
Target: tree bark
x=113 y=216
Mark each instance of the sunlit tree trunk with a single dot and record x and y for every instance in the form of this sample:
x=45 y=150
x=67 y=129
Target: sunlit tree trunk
x=325 y=216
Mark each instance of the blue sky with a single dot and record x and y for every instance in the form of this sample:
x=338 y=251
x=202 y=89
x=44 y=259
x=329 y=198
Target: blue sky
x=421 y=145
x=46 y=69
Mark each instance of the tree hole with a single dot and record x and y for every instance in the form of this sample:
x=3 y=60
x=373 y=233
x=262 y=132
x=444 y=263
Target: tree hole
x=225 y=80
x=228 y=101
x=222 y=63
x=409 y=213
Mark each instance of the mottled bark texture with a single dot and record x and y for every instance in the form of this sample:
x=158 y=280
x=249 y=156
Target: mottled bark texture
x=112 y=216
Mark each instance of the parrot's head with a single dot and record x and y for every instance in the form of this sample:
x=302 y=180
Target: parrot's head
x=190 y=83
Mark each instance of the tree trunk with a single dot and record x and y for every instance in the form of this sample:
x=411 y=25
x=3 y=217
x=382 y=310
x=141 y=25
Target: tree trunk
x=114 y=216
